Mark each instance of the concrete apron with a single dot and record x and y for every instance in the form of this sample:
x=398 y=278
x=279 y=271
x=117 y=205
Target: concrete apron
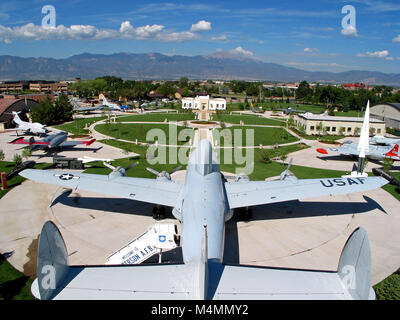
x=308 y=234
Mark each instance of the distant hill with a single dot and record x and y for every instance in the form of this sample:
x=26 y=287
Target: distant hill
x=158 y=66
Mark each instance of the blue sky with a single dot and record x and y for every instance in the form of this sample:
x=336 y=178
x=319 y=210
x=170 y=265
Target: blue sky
x=303 y=34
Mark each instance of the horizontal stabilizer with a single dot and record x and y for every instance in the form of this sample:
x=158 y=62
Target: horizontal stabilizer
x=351 y=282
x=355 y=266
x=58 y=281
x=52 y=266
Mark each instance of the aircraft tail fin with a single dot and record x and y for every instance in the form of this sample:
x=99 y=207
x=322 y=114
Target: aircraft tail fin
x=89 y=143
x=355 y=266
x=52 y=265
x=394 y=152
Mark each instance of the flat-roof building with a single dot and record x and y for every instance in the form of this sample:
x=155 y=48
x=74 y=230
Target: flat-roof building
x=315 y=124
x=45 y=87
x=204 y=103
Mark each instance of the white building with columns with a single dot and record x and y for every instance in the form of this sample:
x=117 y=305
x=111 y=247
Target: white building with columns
x=204 y=103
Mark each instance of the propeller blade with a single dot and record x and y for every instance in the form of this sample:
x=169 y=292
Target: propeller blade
x=109 y=166
x=132 y=166
x=153 y=171
x=290 y=164
x=176 y=170
x=249 y=169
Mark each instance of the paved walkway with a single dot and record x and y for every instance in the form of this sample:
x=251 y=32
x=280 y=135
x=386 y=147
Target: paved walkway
x=308 y=234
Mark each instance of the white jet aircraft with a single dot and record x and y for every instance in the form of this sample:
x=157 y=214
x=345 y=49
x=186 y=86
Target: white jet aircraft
x=203 y=204
x=27 y=127
x=109 y=105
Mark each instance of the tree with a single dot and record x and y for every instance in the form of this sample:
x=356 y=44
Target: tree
x=303 y=90
x=387 y=164
x=17 y=159
x=43 y=112
x=63 y=110
x=183 y=82
x=26 y=153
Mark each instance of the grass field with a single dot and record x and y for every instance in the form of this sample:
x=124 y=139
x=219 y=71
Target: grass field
x=262 y=135
x=248 y=120
x=158 y=160
x=14 y=285
x=389 y=289
x=131 y=132
x=77 y=127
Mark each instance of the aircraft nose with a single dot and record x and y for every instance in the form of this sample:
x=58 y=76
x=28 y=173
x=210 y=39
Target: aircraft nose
x=322 y=151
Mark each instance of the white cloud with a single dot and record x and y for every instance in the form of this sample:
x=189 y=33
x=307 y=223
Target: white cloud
x=311 y=50
x=221 y=38
x=350 y=32
x=201 y=26
x=242 y=52
x=384 y=54
x=91 y=33
x=397 y=39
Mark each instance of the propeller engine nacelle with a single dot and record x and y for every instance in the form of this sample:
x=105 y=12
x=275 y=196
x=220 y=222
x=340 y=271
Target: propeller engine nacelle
x=119 y=171
x=164 y=175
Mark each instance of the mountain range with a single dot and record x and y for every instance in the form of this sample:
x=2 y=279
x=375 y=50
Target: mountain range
x=155 y=66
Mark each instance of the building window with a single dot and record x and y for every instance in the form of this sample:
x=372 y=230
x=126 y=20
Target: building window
x=312 y=128
x=349 y=130
x=379 y=131
x=333 y=129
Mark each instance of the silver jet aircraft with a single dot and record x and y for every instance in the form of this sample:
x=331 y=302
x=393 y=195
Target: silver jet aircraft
x=379 y=140
x=203 y=204
x=54 y=141
x=375 y=152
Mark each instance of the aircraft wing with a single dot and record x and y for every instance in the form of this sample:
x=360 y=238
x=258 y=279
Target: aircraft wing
x=164 y=193
x=349 y=149
x=253 y=193
x=76 y=143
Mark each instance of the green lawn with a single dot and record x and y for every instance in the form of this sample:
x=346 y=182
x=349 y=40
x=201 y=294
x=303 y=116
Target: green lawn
x=266 y=170
x=158 y=117
x=14 y=285
x=77 y=127
x=389 y=289
x=264 y=136
x=162 y=159
x=248 y=120
x=392 y=189
x=131 y=132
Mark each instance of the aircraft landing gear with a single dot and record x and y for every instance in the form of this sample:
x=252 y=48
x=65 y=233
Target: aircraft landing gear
x=158 y=213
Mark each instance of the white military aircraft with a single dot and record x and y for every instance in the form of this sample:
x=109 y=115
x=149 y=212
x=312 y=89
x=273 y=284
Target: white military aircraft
x=363 y=149
x=78 y=108
x=27 y=127
x=380 y=140
x=109 y=105
x=203 y=203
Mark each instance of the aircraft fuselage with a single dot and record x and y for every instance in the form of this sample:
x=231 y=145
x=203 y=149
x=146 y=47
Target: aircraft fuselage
x=203 y=203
